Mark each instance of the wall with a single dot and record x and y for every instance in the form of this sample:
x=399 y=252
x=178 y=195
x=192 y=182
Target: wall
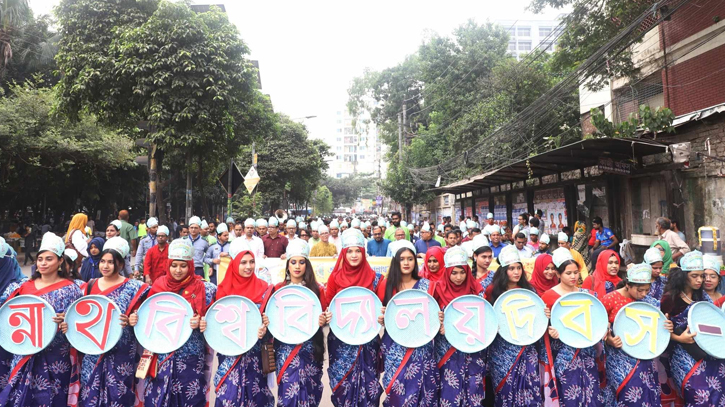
x=688 y=90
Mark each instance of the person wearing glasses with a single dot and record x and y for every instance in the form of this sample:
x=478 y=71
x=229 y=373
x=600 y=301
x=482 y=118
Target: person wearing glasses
x=378 y=246
x=324 y=248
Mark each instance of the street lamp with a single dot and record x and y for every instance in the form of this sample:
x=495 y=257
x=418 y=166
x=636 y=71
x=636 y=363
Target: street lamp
x=304 y=117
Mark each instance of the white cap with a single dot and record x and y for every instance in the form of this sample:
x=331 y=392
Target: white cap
x=163 y=230
x=400 y=244
x=119 y=245
x=534 y=231
x=563 y=237
x=298 y=247
x=53 y=243
x=72 y=254
x=355 y=223
x=291 y=223
x=353 y=238
x=249 y=222
x=261 y=223
x=222 y=228
x=344 y=224
x=509 y=255
x=478 y=242
x=273 y=221
x=204 y=224
x=489 y=216
x=494 y=229
x=181 y=249
x=403 y=223
x=470 y=224
x=151 y=222
x=652 y=255
x=411 y=227
x=544 y=238
x=322 y=229
x=440 y=228
x=455 y=256
x=313 y=225
x=334 y=224
x=425 y=227
x=117 y=223
x=230 y=219
x=237 y=246
x=195 y=220
x=560 y=255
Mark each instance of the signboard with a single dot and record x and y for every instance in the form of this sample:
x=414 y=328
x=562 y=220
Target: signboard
x=521 y=318
x=614 y=167
x=232 y=324
x=294 y=313
x=708 y=322
x=379 y=200
x=470 y=323
x=237 y=180
x=355 y=312
x=641 y=327
x=163 y=323
x=28 y=325
x=580 y=318
x=482 y=209
x=552 y=202
x=94 y=325
x=251 y=179
x=411 y=318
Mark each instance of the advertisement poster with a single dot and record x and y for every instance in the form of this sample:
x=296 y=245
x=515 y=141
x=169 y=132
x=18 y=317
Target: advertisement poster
x=482 y=209
x=458 y=214
x=499 y=210
x=553 y=204
x=469 y=211
x=519 y=206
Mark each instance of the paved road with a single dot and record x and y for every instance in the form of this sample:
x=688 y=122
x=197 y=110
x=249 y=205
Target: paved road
x=325 y=396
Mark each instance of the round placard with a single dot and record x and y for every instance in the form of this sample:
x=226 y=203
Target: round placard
x=163 y=323
x=28 y=326
x=470 y=323
x=641 y=327
x=294 y=313
x=94 y=324
x=580 y=318
x=411 y=318
x=232 y=324
x=355 y=313
x=708 y=321
x=521 y=317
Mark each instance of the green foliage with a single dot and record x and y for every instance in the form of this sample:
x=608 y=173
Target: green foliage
x=346 y=191
x=322 y=201
x=248 y=206
x=644 y=121
x=399 y=185
x=63 y=160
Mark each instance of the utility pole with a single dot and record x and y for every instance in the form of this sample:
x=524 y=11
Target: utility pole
x=229 y=187
x=254 y=164
x=405 y=120
x=188 y=186
x=400 y=136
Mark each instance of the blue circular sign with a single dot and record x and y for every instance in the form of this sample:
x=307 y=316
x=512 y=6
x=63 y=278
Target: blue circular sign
x=28 y=326
x=580 y=318
x=94 y=324
x=232 y=324
x=708 y=321
x=470 y=323
x=164 y=323
x=411 y=318
x=641 y=327
x=521 y=317
x=355 y=312
x=294 y=313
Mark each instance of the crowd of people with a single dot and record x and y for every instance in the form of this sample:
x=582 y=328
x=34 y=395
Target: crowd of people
x=456 y=260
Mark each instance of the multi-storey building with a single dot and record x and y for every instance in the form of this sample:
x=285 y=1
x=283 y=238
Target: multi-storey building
x=526 y=35
x=357 y=147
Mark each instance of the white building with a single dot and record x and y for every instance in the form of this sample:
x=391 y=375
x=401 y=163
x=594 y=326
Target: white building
x=526 y=35
x=357 y=147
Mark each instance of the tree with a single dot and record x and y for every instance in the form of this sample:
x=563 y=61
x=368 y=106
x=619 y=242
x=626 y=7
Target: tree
x=12 y=13
x=645 y=120
x=346 y=191
x=64 y=162
x=322 y=201
x=183 y=75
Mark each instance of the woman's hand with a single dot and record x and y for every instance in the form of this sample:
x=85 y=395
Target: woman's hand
x=547 y=312
x=202 y=324
x=133 y=319
x=59 y=318
x=63 y=327
x=613 y=341
x=263 y=329
x=124 y=320
x=325 y=317
x=381 y=317
x=553 y=333
x=194 y=322
x=669 y=326
x=685 y=337
x=440 y=317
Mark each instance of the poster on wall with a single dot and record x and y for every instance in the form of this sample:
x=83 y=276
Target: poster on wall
x=458 y=214
x=443 y=213
x=553 y=204
x=469 y=212
x=519 y=206
x=499 y=210
x=482 y=209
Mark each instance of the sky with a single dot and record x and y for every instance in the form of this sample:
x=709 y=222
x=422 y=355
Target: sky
x=309 y=51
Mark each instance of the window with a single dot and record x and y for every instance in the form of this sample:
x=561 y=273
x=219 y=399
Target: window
x=339 y=130
x=512 y=31
x=547 y=46
x=362 y=157
x=445 y=199
x=339 y=148
x=512 y=45
x=339 y=157
x=523 y=31
x=339 y=121
x=525 y=46
x=339 y=112
x=348 y=130
x=339 y=139
x=544 y=31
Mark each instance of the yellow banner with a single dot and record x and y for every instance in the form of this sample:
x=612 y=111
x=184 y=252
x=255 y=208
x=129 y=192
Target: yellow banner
x=323 y=267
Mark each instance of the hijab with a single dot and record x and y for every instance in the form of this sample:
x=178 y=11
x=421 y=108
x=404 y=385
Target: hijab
x=596 y=282
x=78 y=222
x=9 y=270
x=345 y=275
x=667 y=258
x=89 y=267
x=538 y=279
x=235 y=284
x=446 y=291
x=437 y=252
x=191 y=288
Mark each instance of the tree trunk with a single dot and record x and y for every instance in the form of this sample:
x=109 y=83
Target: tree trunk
x=152 y=180
x=204 y=202
x=160 y=205
x=188 y=186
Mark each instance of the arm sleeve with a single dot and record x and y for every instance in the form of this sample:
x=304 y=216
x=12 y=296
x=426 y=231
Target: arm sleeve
x=681 y=245
x=147 y=262
x=208 y=257
x=140 y=254
x=79 y=242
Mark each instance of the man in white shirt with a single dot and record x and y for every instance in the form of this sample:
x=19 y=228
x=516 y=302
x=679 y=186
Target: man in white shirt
x=335 y=237
x=255 y=244
x=525 y=251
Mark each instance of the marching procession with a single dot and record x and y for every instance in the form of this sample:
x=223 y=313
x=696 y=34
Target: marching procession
x=470 y=315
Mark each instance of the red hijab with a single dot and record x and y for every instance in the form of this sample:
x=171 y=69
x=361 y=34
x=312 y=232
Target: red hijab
x=191 y=288
x=234 y=284
x=596 y=282
x=344 y=275
x=538 y=280
x=446 y=291
x=437 y=252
